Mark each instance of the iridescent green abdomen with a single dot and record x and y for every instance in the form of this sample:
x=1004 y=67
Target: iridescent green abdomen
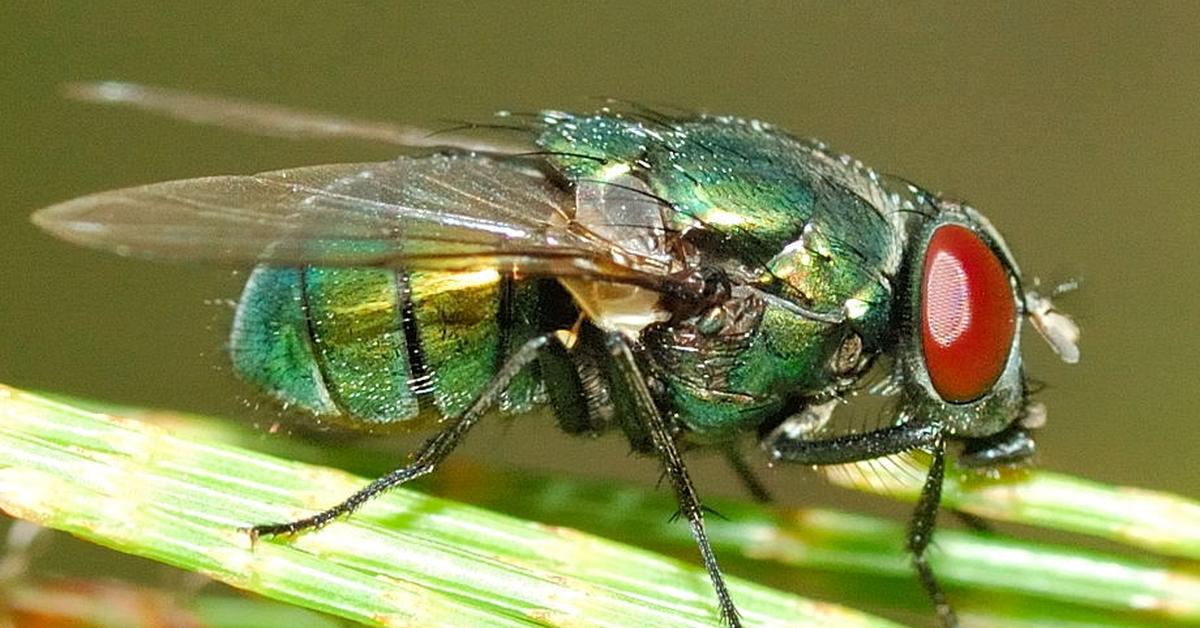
x=376 y=346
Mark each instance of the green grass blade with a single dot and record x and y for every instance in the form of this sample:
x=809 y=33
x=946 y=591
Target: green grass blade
x=1159 y=522
x=825 y=540
x=406 y=559
x=1151 y=520
x=860 y=560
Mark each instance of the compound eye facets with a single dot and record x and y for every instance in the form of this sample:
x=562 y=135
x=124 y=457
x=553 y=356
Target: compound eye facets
x=968 y=314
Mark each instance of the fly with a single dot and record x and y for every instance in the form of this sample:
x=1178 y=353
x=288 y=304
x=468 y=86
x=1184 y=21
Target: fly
x=688 y=281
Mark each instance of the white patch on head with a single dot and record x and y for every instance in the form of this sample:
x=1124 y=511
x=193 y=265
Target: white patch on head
x=612 y=171
x=721 y=217
x=855 y=308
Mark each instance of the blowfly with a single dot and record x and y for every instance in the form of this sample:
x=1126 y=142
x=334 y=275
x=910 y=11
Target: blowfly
x=687 y=281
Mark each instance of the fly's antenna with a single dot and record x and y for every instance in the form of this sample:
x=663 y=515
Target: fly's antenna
x=1056 y=328
x=269 y=120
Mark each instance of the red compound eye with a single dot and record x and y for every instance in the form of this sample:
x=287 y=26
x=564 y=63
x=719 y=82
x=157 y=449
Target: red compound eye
x=968 y=316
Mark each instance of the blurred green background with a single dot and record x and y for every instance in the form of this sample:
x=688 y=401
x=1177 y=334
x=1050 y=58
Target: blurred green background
x=1075 y=128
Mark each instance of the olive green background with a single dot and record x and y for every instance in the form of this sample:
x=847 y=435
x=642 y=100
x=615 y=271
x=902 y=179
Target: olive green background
x=1075 y=128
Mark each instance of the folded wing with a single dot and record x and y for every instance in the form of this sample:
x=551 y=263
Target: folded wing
x=446 y=212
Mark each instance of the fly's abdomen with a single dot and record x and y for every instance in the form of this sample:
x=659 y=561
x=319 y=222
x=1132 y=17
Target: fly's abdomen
x=271 y=344
x=378 y=347
x=465 y=325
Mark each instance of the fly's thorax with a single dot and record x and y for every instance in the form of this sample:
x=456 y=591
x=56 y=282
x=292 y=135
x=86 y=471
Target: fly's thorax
x=739 y=182
x=812 y=241
x=736 y=364
x=826 y=279
x=825 y=231
x=959 y=347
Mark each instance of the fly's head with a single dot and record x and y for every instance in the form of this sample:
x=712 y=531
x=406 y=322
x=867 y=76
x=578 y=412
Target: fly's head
x=960 y=346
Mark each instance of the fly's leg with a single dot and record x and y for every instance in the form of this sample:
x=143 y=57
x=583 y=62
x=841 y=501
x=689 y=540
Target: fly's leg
x=885 y=442
x=433 y=452
x=753 y=485
x=1013 y=446
x=972 y=522
x=664 y=442
x=920 y=533
x=854 y=447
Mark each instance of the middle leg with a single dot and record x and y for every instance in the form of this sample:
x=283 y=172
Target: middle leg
x=668 y=452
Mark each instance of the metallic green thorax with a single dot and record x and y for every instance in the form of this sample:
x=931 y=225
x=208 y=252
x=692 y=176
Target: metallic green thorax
x=753 y=199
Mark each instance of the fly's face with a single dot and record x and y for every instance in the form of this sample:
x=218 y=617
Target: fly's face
x=962 y=338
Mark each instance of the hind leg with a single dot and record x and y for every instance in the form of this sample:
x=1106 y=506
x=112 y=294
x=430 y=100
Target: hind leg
x=432 y=453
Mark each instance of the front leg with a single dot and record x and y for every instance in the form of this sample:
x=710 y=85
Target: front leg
x=887 y=441
x=795 y=447
x=920 y=533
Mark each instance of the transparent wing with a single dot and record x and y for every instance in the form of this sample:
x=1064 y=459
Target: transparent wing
x=438 y=212
x=273 y=120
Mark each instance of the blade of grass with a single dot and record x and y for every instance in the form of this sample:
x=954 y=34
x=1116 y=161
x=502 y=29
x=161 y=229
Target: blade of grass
x=839 y=543
x=1151 y=520
x=406 y=559
x=1159 y=522
x=979 y=567
x=835 y=541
